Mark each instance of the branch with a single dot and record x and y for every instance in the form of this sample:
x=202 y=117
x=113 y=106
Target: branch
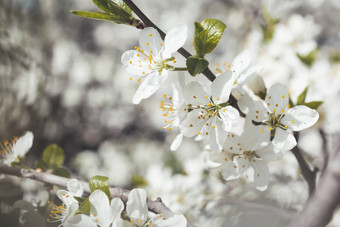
x=148 y=23
x=319 y=209
x=307 y=173
x=156 y=206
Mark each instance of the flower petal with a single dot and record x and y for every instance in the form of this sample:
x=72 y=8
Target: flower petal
x=79 y=220
x=150 y=40
x=230 y=171
x=136 y=64
x=277 y=98
x=174 y=40
x=241 y=61
x=100 y=212
x=284 y=139
x=194 y=94
x=229 y=116
x=269 y=153
x=221 y=87
x=145 y=90
x=75 y=187
x=117 y=207
x=255 y=137
x=300 y=117
x=247 y=76
x=177 y=142
x=23 y=144
x=169 y=219
x=261 y=174
x=192 y=125
x=217 y=136
x=136 y=206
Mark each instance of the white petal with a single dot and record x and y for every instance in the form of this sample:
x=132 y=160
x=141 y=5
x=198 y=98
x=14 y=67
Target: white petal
x=229 y=116
x=75 y=187
x=277 y=98
x=136 y=206
x=194 y=94
x=117 y=207
x=261 y=175
x=220 y=157
x=169 y=219
x=230 y=171
x=233 y=144
x=255 y=137
x=134 y=64
x=66 y=197
x=284 y=139
x=300 y=117
x=174 y=40
x=221 y=87
x=23 y=144
x=145 y=90
x=247 y=76
x=79 y=220
x=177 y=142
x=70 y=211
x=121 y=223
x=217 y=136
x=192 y=126
x=256 y=84
x=269 y=153
x=101 y=211
x=241 y=61
x=150 y=40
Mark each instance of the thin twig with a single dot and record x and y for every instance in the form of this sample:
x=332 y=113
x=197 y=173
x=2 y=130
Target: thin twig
x=148 y=23
x=156 y=206
x=307 y=173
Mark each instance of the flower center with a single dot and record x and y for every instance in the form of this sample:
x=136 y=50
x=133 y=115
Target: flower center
x=57 y=212
x=169 y=112
x=6 y=146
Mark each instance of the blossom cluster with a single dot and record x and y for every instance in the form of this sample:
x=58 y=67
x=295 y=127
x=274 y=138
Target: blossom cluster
x=245 y=124
x=105 y=213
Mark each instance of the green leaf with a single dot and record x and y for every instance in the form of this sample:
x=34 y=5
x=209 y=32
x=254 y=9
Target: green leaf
x=196 y=65
x=291 y=104
x=79 y=199
x=84 y=207
x=53 y=156
x=313 y=105
x=302 y=97
x=101 y=183
x=62 y=172
x=308 y=59
x=41 y=164
x=113 y=7
x=207 y=35
x=102 y=16
x=138 y=181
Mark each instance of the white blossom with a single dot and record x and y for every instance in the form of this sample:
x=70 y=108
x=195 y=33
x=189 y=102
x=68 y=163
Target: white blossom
x=149 y=63
x=274 y=120
x=210 y=114
x=12 y=151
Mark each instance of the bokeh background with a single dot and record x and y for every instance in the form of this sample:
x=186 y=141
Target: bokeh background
x=61 y=78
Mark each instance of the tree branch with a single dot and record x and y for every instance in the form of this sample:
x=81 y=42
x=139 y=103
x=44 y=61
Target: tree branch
x=148 y=23
x=319 y=209
x=156 y=206
x=307 y=173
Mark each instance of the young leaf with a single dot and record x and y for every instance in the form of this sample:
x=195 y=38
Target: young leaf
x=101 y=183
x=60 y=171
x=207 y=35
x=313 y=105
x=102 y=16
x=113 y=8
x=302 y=97
x=41 y=164
x=84 y=207
x=196 y=65
x=79 y=199
x=53 y=156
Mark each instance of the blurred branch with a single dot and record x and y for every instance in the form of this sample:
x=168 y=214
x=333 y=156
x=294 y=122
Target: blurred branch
x=156 y=206
x=307 y=172
x=319 y=209
x=148 y=23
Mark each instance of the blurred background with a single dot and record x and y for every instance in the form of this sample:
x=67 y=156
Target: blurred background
x=61 y=78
